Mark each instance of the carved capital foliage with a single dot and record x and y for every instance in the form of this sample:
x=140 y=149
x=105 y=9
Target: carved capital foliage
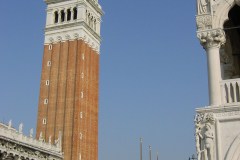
x=204 y=22
x=212 y=38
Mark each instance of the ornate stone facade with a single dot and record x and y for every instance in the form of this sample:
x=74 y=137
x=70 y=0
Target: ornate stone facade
x=217 y=131
x=16 y=146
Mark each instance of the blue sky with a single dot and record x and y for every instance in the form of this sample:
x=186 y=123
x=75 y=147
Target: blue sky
x=153 y=74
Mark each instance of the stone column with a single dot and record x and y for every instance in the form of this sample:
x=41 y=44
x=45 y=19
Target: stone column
x=65 y=16
x=59 y=16
x=212 y=40
x=72 y=13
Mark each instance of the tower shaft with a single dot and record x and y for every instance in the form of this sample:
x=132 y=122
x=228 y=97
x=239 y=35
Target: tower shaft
x=68 y=101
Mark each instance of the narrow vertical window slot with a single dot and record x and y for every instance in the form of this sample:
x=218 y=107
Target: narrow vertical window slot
x=44 y=121
x=45 y=101
x=49 y=63
x=50 y=46
x=82 y=94
x=83 y=57
x=47 y=82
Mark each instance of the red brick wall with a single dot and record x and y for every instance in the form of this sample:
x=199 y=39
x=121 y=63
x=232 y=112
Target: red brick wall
x=65 y=101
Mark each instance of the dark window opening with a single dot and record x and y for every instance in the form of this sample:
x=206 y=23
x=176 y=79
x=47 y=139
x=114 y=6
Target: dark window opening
x=69 y=15
x=56 y=17
x=230 y=52
x=62 y=16
x=74 y=13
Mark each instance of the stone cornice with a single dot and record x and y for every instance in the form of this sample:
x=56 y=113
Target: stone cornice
x=72 y=33
x=211 y=38
x=219 y=109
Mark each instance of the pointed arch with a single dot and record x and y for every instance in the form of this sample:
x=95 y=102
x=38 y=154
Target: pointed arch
x=221 y=13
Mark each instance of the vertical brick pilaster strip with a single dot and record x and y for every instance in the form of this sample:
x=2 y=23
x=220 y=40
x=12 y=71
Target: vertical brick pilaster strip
x=42 y=110
x=97 y=102
x=60 y=106
x=84 y=129
x=88 y=102
x=95 y=105
x=68 y=126
x=53 y=91
x=77 y=104
x=83 y=105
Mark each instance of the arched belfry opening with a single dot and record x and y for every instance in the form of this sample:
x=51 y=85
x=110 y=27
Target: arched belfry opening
x=230 y=52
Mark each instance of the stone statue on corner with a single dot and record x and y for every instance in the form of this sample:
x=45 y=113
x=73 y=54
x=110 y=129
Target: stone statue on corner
x=204 y=136
x=203 y=6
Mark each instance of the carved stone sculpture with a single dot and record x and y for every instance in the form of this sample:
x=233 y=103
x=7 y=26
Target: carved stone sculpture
x=208 y=142
x=31 y=133
x=20 y=129
x=50 y=139
x=58 y=142
x=10 y=124
x=41 y=137
x=198 y=137
x=212 y=38
x=204 y=136
x=203 y=6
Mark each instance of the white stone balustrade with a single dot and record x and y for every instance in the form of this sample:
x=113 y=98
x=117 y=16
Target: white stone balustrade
x=230 y=91
x=14 y=135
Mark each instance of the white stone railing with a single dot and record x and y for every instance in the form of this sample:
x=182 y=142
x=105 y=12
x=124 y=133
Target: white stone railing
x=230 y=91
x=13 y=134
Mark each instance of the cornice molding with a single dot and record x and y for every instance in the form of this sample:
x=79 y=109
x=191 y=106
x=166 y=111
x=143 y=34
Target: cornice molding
x=71 y=25
x=83 y=32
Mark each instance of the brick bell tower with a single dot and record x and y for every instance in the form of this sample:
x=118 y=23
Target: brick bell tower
x=68 y=101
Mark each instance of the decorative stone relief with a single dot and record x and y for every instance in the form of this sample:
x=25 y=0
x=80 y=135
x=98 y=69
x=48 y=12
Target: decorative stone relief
x=204 y=22
x=93 y=43
x=203 y=6
x=212 y=38
x=15 y=145
x=204 y=136
x=31 y=133
x=20 y=128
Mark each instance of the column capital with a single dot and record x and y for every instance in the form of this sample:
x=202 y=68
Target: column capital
x=212 y=38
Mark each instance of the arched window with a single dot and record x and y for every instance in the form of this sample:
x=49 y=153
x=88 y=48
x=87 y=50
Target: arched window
x=75 y=13
x=69 y=15
x=56 y=17
x=231 y=48
x=62 y=16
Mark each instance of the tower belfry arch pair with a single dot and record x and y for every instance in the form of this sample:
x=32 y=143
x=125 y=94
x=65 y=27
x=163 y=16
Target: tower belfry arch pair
x=217 y=125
